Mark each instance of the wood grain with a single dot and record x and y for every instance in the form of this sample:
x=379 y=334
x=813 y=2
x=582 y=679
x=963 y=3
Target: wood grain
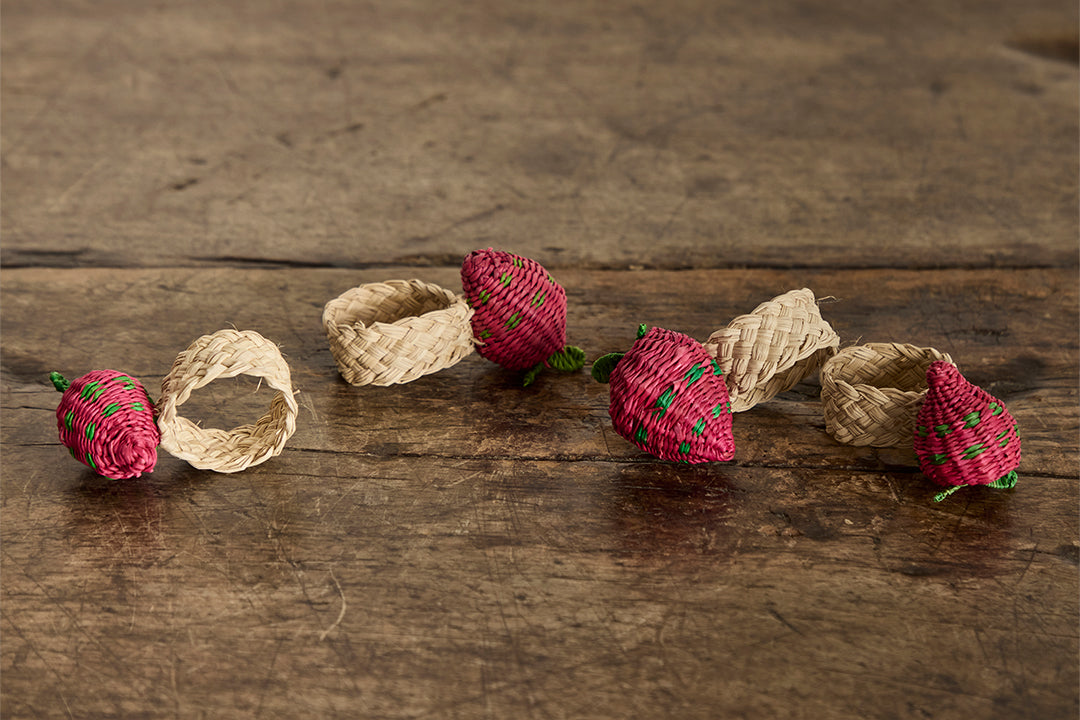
x=616 y=134
x=462 y=547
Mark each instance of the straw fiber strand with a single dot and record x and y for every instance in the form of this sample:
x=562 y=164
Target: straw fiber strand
x=773 y=348
x=871 y=393
x=964 y=435
x=396 y=331
x=226 y=354
x=668 y=397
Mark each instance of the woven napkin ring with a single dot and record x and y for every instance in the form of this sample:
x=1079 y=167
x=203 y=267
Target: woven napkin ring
x=108 y=422
x=773 y=348
x=511 y=311
x=871 y=393
x=889 y=394
x=668 y=397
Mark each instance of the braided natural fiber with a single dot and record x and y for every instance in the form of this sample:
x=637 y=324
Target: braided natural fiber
x=395 y=331
x=106 y=420
x=668 y=397
x=225 y=354
x=871 y=393
x=773 y=348
x=964 y=435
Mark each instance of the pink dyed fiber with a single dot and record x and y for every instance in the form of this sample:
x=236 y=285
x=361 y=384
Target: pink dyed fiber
x=520 y=311
x=106 y=420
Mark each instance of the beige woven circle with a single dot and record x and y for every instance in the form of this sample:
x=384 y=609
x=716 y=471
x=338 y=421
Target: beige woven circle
x=396 y=331
x=773 y=348
x=226 y=354
x=871 y=393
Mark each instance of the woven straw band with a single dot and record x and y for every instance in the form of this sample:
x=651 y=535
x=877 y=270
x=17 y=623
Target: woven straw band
x=226 y=354
x=106 y=420
x=395 y=331
x=668 y=397
x=773 y=348
x=963 y=434
x=871 y=393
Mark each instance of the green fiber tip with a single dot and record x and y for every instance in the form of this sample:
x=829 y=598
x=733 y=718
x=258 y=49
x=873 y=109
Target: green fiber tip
x=603 y=365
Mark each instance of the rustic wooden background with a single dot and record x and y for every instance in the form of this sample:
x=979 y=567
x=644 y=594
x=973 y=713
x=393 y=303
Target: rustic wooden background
x=460 y=547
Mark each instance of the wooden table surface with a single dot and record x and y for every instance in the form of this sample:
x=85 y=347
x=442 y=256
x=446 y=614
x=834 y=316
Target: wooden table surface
x=461 y=547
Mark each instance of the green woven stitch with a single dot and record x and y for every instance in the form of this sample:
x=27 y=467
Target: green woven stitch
x=694 y=374
x=971 y=419
x=922 y=431
x=538 y=298
x=514 y=321
x=90 y=461
x=506 y=279
x=664 y=401
x=137 y=406
x=942 y=430
x=974 y=451
x=939 y=458
x=1005 y=482
x=110 y=409
x=94 y=389
x=995 y=409
x=485 y=295
x=699 y=427
x=1003 y=438
x=716 y=368
x=570 y=359
x=69 y=419
x=90 y=430
x=684 y=447
x=717 y=410
x=641 y=435
x=126 y=383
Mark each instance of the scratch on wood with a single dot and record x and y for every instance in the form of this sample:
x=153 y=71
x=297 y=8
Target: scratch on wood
x=341 y=613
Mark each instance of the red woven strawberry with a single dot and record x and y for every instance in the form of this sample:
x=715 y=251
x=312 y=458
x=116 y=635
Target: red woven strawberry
x=963 y=434
x=669 y=398
x=106 y=420
x=519 y=318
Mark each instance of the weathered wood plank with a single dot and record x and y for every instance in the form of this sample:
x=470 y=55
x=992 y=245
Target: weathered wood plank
x=346 y=584
x=461 y=547
x=612 y=134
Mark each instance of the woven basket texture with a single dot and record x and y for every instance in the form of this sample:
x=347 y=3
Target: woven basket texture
x=226 y=354
x=668 y=397
x=773 y=348
x=871 y=393
x=106 y=420
x=396 y=331
x=963 y=434
x=520 y=318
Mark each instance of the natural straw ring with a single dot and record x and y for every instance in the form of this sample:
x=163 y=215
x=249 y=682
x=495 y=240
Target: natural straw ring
x=225 y=354
x=773 y=348
x=395 y=331
x=871 y=393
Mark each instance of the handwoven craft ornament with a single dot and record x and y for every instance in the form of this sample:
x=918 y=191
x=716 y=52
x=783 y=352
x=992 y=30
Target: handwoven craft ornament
x=964 y=435
x=396 y=331
x=106 y=421
x=520 y=313
x=871 y=393
x=773 y=348
x=225 y=354
x=668 y=397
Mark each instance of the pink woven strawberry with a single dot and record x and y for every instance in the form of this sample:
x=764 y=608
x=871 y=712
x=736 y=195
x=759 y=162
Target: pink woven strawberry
x=106 y=420
x=963 y=434
x=669 y=398
x=519 y=318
